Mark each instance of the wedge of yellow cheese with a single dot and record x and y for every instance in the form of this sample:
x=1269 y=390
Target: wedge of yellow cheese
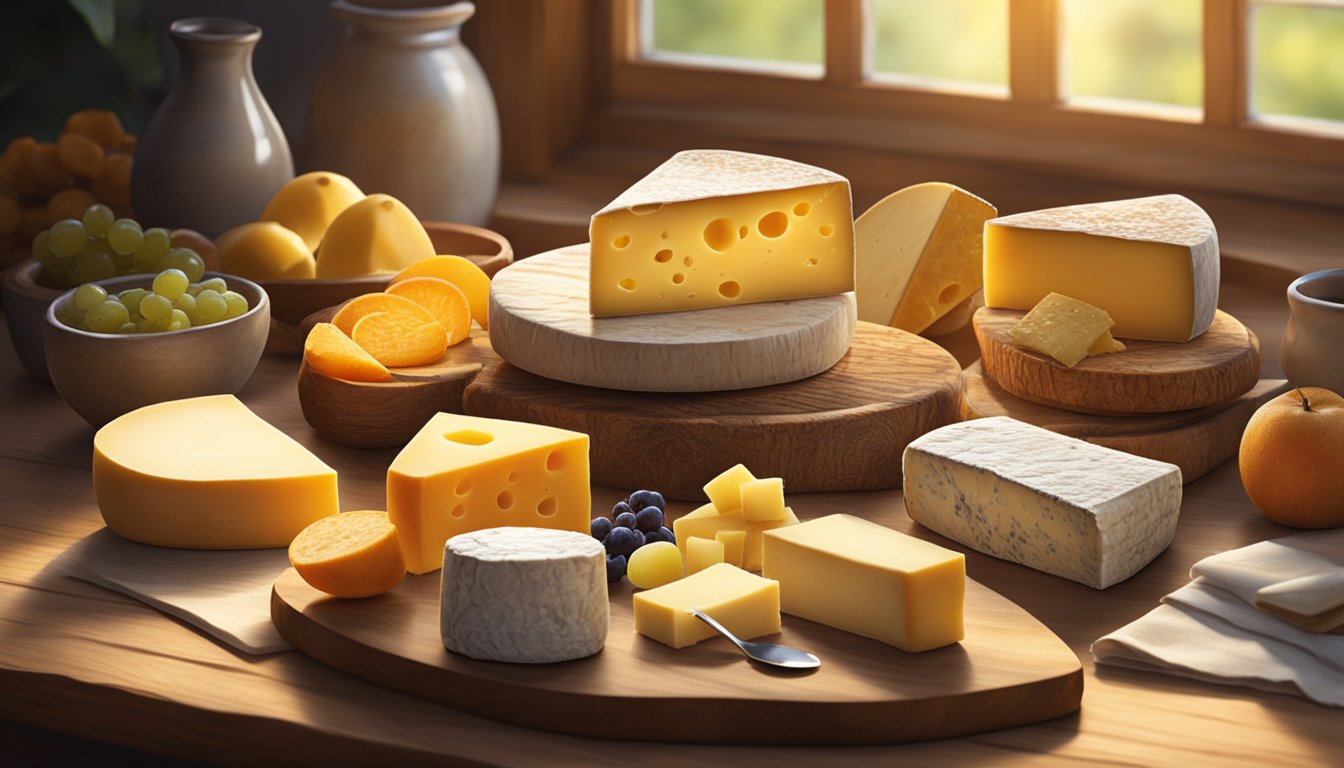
x=712 y=228
x=1150 y=263
x=861 y=577
x=1064 y=328
x=461 y=474
x=918 y=254
x=706 y=522
x=745 y=603
x=207 y=473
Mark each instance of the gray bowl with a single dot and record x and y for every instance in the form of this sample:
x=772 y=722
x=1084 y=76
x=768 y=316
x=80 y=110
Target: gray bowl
x=97 y=375
x=26 y=300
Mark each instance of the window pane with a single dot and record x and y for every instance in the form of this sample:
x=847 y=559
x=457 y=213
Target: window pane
x=963 y=40
x=789 y=31
x=1297 y=60
x=1140 y=50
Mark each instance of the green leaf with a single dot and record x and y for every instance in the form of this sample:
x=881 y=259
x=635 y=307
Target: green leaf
x=100 y=15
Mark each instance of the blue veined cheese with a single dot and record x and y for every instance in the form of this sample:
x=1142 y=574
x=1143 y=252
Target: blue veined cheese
x=1054 y=503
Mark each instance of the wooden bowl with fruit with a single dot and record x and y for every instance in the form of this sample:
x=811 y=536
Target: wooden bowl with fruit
x=119 y=344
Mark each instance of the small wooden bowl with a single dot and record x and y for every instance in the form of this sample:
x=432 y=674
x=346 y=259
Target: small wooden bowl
x=26 y=298
x=102 y=376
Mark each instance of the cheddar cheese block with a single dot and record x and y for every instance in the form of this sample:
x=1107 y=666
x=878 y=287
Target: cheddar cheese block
x=1150 y=263
x=745 y=603
x=861 y=577
x=918 y=254
x=706 y=522
x=711 y=228
x=207 y=473
x=461 y=474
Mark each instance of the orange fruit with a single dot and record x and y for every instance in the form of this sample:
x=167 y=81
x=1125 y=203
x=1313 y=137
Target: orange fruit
x=356 y=308
x=330 y=352
x=1292 y=458
x=460 y=271
x=397 y=340
x=443 y=300
x=352 y=554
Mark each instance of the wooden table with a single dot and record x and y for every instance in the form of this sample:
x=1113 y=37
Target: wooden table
x=84 y=661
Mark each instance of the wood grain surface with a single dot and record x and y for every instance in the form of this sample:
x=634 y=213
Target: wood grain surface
x=1009 y=670
x=1195 y=440
x=1148 y=377
x=844 y=429
x=539 y=321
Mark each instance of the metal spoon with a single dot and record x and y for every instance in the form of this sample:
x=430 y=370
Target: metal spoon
x=769 y=654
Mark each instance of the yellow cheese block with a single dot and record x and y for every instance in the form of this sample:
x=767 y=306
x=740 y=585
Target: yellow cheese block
x=706 y=522
x=763 y=500
x=1062 y=327
x=207 y=473
x=461 y=473
x=745 y=603
x=702 y=553
x=861 y=577
x=725 y=490
x=711 y=228
x=918 y=254
x=1151 y=263
x=733 y=543
x=376 y=234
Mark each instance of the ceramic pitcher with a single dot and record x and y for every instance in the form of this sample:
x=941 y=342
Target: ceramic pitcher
x=213 y=154
x=403 y=108
x=1313 y=345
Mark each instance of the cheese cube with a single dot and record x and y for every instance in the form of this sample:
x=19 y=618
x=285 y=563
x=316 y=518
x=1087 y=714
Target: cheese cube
x=1062 y=328
x=746 y=604
x=711 y=228
x=918 y=254
x=245 y=485
x=1150 y=263
x=706 y=522
x=1050 y=502
x=733 y=543
x=702 y=553
x=725 y=491
x=763 y=500
x=461 y=474
x=861 y=577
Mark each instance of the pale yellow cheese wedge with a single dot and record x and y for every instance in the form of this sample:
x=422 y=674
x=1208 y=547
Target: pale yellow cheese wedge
x=1063 y=328
x=745 y=603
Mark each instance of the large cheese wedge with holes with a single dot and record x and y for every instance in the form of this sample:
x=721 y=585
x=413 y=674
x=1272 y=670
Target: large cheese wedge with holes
x=918 y=254
x=462 y=474
x=207 y=473
x=1151 y=263
x=1050 y=502
x=713 y=228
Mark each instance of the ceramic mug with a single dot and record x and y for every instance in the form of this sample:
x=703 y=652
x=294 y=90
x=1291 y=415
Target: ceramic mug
x=1313 y=344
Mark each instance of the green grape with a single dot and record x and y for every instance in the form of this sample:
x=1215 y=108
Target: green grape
x=236 y=302
x=94 y=266
x=194 y=289
x=107 y=317
x=67 y=237
x=128 y=327
x=156 y=245
x=215 y=284
x=41 y=250
x=98 y=219
x=171 y=283
x=125 y=236
x=88 y=296
x=186 y=260
x=211 y=306
x=132 y=297
x=180 y=321
x=187 y=303
x=156 y=308
x=70 y=314
x=145 y=325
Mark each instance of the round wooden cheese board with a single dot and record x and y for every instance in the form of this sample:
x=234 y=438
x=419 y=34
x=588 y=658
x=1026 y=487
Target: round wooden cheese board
x=1217 y=367
x=539 y=321
x=841 y=430
x=1010 y=670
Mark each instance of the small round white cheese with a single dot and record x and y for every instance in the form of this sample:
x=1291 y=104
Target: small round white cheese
x=528 y=595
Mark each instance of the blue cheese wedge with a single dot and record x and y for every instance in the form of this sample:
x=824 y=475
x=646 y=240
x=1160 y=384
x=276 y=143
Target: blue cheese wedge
x=1054 y=503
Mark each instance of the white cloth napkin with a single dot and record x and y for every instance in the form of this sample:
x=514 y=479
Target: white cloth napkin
x=1210 y=629
x=227 y=595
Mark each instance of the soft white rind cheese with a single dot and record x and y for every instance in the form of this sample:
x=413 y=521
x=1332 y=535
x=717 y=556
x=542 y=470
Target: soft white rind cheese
x=1054 y=503
x=528 y=595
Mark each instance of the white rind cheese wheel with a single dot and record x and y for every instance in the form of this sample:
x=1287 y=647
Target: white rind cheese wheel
x=526 y=595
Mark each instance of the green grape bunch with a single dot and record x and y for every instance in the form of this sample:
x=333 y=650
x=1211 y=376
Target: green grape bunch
x=99 y=245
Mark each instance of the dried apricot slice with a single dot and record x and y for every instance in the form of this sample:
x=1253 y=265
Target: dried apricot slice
x=358 y=307
x=398 y=340
x=459 y=271
x=444 y=300
x=352 y=554
x=330 y=352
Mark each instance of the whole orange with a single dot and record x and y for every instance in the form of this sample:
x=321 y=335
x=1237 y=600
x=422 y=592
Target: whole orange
x=1292 y=458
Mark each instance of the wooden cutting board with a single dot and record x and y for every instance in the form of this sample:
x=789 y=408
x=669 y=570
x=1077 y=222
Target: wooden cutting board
x=1148 y=377
x=1196 y=440
x=841 y=430
x=1010 y=670
x=539 y=321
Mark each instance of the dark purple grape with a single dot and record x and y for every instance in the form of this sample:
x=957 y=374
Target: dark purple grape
x=623 y=541
x=600 y=527
x=649 y=519
x=662 y=534
x=625 y=520
x=639 y=537
x=644 y=499
x=615 y=568
x=620 y=508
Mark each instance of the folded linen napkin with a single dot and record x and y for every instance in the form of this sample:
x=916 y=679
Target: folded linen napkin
x=226 y=594
x=1211 y=631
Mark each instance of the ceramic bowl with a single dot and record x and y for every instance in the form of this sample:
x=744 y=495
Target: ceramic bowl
x=26 y=298
x=102 y=376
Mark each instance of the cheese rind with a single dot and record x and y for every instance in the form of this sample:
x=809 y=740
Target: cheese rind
x=247 y=486
x=745 y=603
x=706 y=522
x=1050 y=502
x=461 y=474
x=861 y=577
x=1062 y=327
x=1150 y=263
x=524 y=595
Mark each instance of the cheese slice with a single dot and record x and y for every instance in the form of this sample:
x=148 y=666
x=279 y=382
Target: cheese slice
x=745 y=603
x=918 y=254
x=711 y=228
x=461 y=474
x=1150 y=263
x=706 y=522
x=524 y=595
x=1063 y=328
x=207 y=473
x=1050 y=502
x=861 y=577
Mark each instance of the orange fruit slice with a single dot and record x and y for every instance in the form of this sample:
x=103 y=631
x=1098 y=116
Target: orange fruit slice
x=396 y=340
x=330 y=352
x=459 y=271
x=443 y=300
x=358 y=307
x=352 y=554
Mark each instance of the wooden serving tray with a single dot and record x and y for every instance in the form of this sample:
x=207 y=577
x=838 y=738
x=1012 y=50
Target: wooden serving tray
x=1010 y=670
x=1217 y=367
